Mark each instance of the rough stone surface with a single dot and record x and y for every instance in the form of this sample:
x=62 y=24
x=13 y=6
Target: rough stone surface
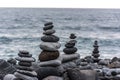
x=50 y=46
x=46 y=56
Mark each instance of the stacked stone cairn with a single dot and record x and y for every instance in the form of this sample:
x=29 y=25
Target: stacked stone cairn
x=50 y=45
x=96 y=52
x=70 y=50
x=24 y=70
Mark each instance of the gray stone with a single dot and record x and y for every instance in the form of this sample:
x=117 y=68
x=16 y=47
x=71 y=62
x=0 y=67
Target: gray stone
x=53 y=78
x=49 y=32
x=53 y=63
x=24 y=77
x=70 y=57
x=12 y=61
x=54 y=46
x=103 y=62
x=26 y=59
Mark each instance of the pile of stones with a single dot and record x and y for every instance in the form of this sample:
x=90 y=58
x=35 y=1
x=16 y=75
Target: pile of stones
x=49 y=46
x=24 y=70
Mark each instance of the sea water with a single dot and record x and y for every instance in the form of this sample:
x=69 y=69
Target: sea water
x=21 y=29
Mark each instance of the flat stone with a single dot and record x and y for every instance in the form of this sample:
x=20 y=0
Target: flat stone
x=24 y=68
x=44 y=72
x=50 y=38
x=53 y=78
x=47 y=46
x=77 y=74
x=48 y=23
x=48 y=27
x=70 y=50
x=46 y=56
x=52 y=63
x=24 y=55
x=70 y=57
x=24 y=77
x=28 y=64
x=28 y=73
x=23 y=52
x=49 y=32
x=25 y=59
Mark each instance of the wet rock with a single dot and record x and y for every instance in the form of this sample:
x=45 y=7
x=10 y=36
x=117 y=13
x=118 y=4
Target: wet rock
x=50 y=46
x=46 y=55
x=50 y=38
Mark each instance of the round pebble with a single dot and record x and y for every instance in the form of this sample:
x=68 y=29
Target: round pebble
x=49 y=32
x=70 y=50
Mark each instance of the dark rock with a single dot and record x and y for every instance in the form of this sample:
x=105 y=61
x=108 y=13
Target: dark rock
x=48 y=23
x=53 y=78
x=46 y=56
x=12 y=61
x=77 y=74
x=44 y=72
x=114 y=59
x=89 y=59
x=28 y=64
x=70 y=50
x=6 y=68
x=50 y=38
x=48 y=27
x=69 y=45
x=49 y=32
x=23 y=52
x=96 y=55
x=72 y=36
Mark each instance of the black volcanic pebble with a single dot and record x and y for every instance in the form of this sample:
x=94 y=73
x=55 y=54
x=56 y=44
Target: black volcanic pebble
x=50 y=38
x=70 y=50
x=24 y=68
x=69 y=45
x=28 y=64
x=48 y=27
x=24 y=55
x=48 y=23
x=72 y=36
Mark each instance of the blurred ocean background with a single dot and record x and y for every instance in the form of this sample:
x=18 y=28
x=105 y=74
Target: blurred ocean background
x=22 y=29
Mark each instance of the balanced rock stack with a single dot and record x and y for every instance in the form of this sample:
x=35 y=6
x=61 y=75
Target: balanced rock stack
x=96 y=52
x=70 y=50
x=24 y=70
x=49 y=47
